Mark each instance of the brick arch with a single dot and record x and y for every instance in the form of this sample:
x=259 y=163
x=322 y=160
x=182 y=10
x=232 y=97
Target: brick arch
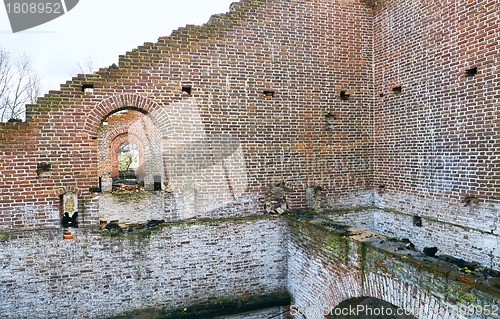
x=105 y=139
x=386 y=288
x=58 y=191
x=369 y=307
x=125 y=101
x=320 y=284
x=123 y=129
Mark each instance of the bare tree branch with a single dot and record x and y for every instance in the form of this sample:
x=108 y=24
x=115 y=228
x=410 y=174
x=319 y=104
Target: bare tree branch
x=88 y=67
x=19 y=85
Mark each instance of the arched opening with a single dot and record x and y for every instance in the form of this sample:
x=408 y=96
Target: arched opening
x=130 y=152
x=131 y=169
x=368 y=308
x=124 y=148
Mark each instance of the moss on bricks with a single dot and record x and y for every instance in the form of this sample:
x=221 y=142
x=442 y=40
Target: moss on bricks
x=4 y=236
x=215 y=308
x=338 y=247
x=440 y=277
x=130 y=197
x=142 y=231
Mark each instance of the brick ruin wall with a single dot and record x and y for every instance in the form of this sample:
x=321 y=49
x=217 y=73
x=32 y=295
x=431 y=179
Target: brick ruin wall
x=437 y=142
x=328 y=267
x=97 y=276
x=306 y=52
x=427 y=148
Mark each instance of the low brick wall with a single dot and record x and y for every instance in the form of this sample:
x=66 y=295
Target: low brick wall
x=470 y=243
x=98 y=276
x=132 y=207
x=326 y=267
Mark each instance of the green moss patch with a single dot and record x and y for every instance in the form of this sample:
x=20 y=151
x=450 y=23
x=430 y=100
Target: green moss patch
x=215 y=308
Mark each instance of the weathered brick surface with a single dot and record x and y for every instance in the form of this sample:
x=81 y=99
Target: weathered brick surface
x=307 y=52
x=439 y=138
x=94 y=276
x=452 y=239
x=437 y=142
x=327 y=267
x=428 y=149
x=133 y=208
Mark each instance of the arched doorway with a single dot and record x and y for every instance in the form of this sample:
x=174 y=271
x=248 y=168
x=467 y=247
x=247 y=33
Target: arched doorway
x=368 y=308
x=130 y=152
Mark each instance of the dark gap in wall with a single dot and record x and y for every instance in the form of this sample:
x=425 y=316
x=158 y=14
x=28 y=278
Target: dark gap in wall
x=88 y=88
x=417 y=221
x=381 y=189
x=42 y=168
x=187 y=88
x=330 y=121
x=157 y=183
x=95 y=189
x=268 y=94
x=68 y=210
x=430 y=251
x=381 y=94
x=61 y=204
x=471 y=201
x=345 y=95
x=397 y=89
x=471 y=72
x=69 y=221
x=330 y=118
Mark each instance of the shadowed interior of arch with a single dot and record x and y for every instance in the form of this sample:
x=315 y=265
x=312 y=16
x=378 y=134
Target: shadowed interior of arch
x=368 y=308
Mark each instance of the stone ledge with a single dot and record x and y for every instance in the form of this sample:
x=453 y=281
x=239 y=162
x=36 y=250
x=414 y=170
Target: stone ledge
x=379 y=253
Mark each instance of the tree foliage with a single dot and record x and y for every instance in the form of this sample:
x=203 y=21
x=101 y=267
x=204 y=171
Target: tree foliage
x=19 y=85
x=127 y=158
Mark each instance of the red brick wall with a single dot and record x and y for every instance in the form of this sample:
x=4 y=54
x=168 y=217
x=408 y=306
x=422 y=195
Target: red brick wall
x=306 y=51
x=437 y=139
x=440 y=135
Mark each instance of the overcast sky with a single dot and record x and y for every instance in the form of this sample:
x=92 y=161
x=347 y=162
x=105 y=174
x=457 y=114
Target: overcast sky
x=99 y=31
